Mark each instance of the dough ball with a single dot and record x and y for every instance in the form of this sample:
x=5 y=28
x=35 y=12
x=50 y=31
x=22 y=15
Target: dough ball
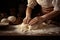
x=4 y=20
x=34 y=27
x=12 y=18
x=24 y=27
x=28 y=27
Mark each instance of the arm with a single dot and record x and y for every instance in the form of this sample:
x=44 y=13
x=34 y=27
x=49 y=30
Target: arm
x=28 y=15
x=55 y=12
x=50 y=15
x=30 y=6
x=28 y=12
x=41 y=19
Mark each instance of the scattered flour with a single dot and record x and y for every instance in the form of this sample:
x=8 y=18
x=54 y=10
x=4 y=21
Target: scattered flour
x=37 y=29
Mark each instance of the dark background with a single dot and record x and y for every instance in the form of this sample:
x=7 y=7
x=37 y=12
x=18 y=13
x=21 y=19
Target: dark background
x=6 y=5
x=19 y=5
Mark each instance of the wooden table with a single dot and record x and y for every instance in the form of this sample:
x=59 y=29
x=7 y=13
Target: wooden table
x=10 y=32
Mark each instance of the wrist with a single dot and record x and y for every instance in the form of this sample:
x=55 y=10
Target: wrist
x=41 y=18
x=28 y=16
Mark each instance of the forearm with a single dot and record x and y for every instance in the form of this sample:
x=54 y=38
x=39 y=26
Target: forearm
x=51 y=15
x=28 y=12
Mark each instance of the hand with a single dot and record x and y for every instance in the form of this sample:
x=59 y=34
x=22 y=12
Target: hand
x=26 y=20
x=36 y=20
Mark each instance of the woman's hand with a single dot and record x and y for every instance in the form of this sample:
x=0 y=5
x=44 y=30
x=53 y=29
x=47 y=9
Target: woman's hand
x=36 y=20
x=26 y=20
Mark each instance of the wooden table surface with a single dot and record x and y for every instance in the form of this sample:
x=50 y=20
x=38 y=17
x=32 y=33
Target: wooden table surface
x=9 y=31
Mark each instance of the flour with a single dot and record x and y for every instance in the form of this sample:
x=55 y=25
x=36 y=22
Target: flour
x=37 y=29
x=26 y=27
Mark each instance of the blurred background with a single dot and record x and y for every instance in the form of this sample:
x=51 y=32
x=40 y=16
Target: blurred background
x=15 y=8
x=12 y=7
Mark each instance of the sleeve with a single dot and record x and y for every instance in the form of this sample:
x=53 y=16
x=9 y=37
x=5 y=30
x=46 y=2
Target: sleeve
x=56 y=4
x=31 y=3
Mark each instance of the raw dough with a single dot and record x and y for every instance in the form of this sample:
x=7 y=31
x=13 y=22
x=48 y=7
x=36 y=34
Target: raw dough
x=12 y=18
x=4 y=20
x=26 y=27
x=37 y=29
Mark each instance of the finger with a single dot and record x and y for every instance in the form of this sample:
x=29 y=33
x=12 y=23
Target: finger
x=32 y=22
x=28 y=21
x=24 y=21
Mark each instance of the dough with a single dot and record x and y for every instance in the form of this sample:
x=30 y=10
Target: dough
x=38 y=26
x=4 y=20
x=26 y=27
x=37 y=29
x=12 y=18
x=23 y=27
